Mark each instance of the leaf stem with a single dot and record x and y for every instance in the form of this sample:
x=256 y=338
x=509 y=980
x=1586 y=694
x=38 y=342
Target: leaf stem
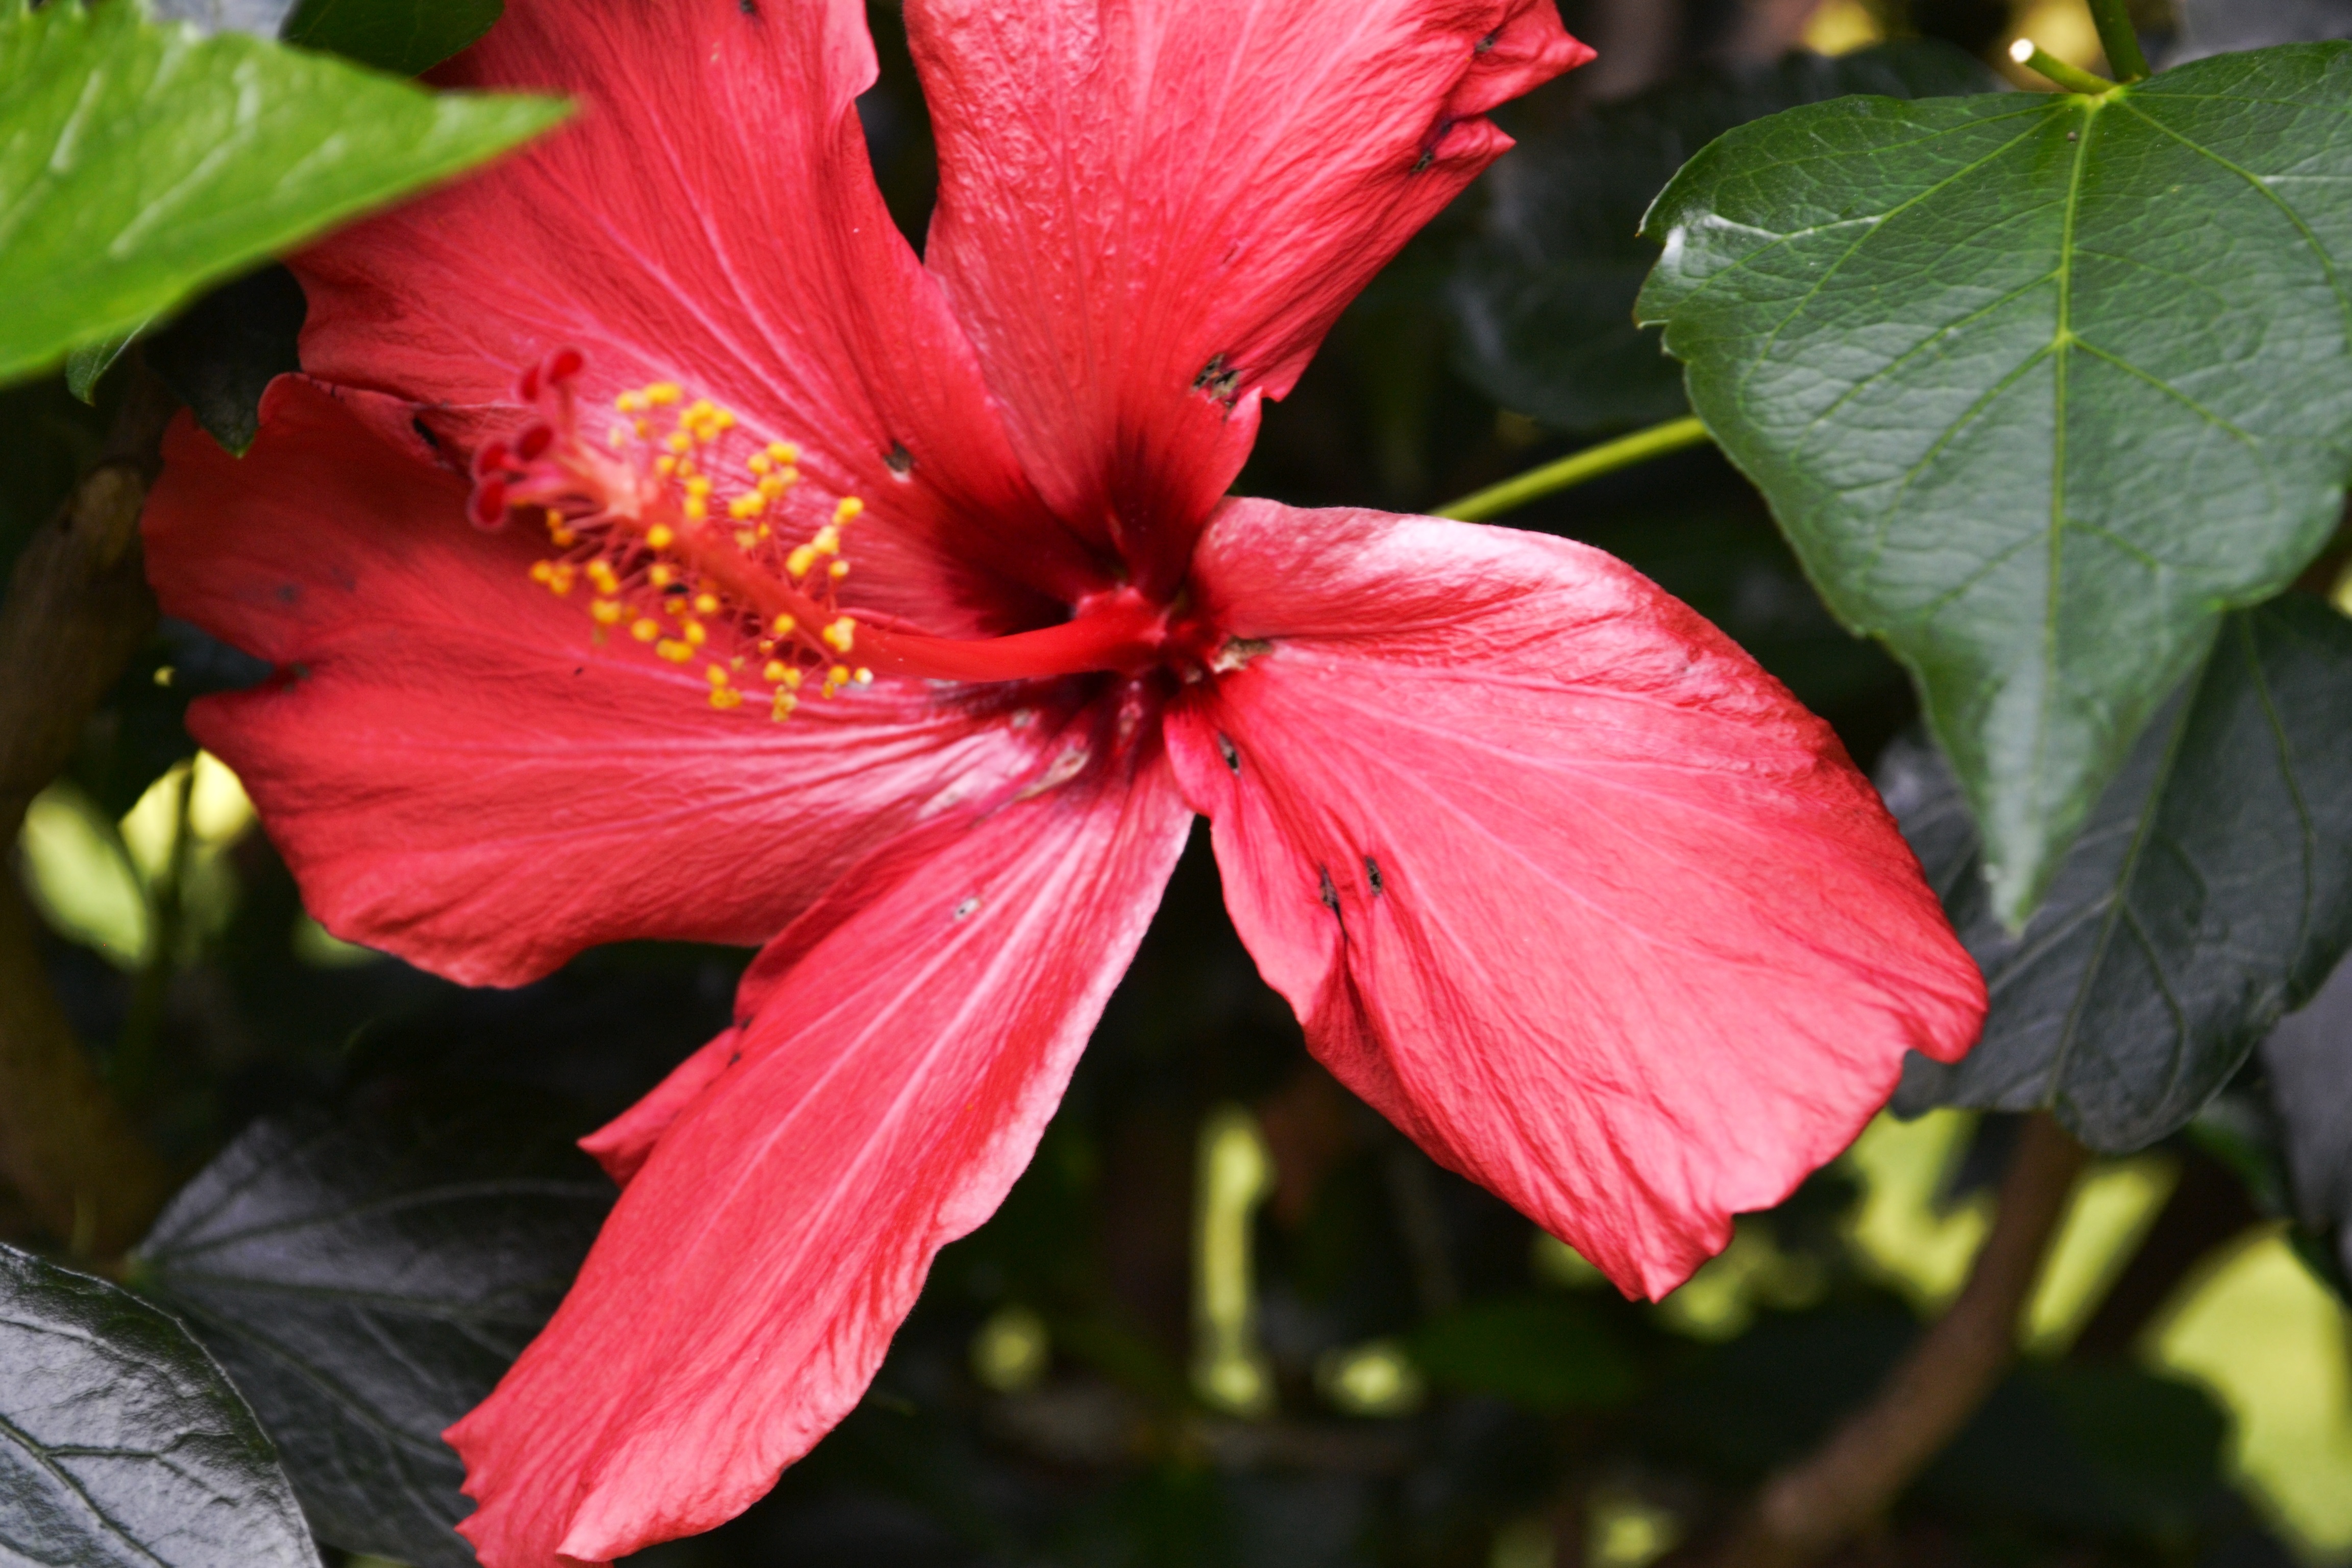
x=1576 y=468
x=2042 y=63
x=2120 y=39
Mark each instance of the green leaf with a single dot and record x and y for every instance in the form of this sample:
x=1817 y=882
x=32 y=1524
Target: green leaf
x=2210 y=892
x=2040 y=387
x=366 y=1289
x=1543 y=300
x=2309 y=1059
x=403 y=36
x=122 y=1446
x=140 y=163
x=224 y=351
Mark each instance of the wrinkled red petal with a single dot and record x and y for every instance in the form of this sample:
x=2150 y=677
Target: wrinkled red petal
x=1555 y=876
x=1150 y=213
x=458 y=773
x=709 y=217
x=891 y=1086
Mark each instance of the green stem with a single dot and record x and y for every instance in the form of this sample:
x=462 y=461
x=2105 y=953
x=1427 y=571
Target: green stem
x=1575 y=469
x=2117 y=37
x=2045 y=63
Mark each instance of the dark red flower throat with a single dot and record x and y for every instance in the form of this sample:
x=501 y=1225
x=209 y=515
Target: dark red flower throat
x=682 y=527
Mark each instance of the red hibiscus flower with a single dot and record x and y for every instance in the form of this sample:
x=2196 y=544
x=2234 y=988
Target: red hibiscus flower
x=892 y=611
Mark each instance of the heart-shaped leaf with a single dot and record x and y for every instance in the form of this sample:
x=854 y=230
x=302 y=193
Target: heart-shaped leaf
x=366 y=1289
x=122 y=1446
x=1544 y=299
x=2040 y=387
x=2210 y=892
x=140 y=161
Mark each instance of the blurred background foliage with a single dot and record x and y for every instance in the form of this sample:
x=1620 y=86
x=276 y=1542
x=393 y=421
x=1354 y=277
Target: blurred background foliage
x=1229 y=1316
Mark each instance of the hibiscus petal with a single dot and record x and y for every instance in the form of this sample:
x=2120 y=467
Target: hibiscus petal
x=459 y=774
x=890 y=1090
x=1151 y=212
x=709 y=218
x=1555 y=876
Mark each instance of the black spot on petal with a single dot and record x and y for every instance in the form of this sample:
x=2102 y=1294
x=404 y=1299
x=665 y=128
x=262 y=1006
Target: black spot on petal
x=1329 y=893
x=1372 y=875
x=1233 y=758
x=899 y=460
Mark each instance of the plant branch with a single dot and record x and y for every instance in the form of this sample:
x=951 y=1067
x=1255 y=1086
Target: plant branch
x=77 y=608
x=1806 y=1511
x=2120 y=39
x=1576 y=468
x=2053 y=70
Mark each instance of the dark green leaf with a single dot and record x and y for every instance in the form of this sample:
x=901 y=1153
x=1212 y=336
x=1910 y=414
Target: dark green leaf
x=224 y=351
x=122 y=1446
x=403 y=36
x=1551 y=1352
x=2309 y=1059
x=139 y=161
x=2211 y=891
x=367 y=1289
x=1544 y=300
x=2038 y=385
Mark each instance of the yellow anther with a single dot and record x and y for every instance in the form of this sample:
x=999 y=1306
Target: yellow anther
x=724 y=418
x=783 y=626
x=793 y=679
x=644 y=628
x=784 y=704
x=695 y=634
x=698 y=486
x=643 y=429
x=849 y=506
x=725 y=697
x=706 y=604
x=716 y=674
x=679 y=442
x=759 y=462
x=864 y=677
x=745 y=538
x=675 y=651
x=839 y=635
x=601 y=574
x=701 y=408
x=827 y=541
x=607 y=611
x=663 y=393
x=775 y=485
x=774 y=670
x=661 y=574
x=836 y=679
x=838 y=570
x=630 y=403
x=565 y=576
x=542 y=571
x=799 y=562
x=747 y=506
x=697 y=509
x=563 y=537
x=664 y=465
x=783 y=452
x=661 y=536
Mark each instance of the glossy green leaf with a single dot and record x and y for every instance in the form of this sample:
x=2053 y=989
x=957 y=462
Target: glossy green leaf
x=403 y=36
x=2039 y=387
x=1543 y=300
x=140 y=161
x=122 y=1446
x=368 y=1287
x=2209 y=893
